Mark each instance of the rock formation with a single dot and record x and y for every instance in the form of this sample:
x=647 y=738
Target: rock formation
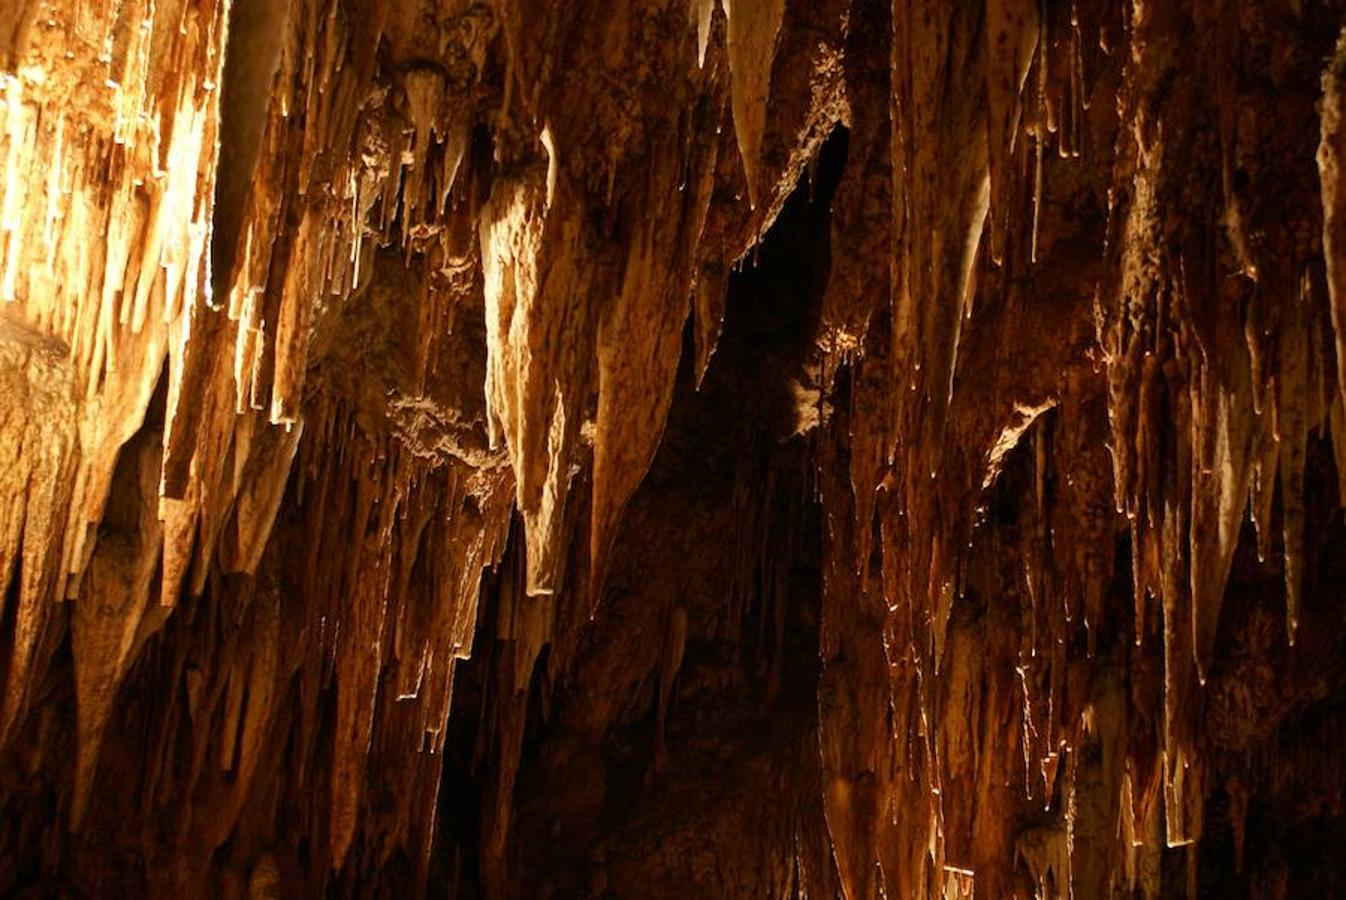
x=672 y=448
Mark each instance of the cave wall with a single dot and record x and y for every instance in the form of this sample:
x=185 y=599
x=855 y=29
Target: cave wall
x=642 y=448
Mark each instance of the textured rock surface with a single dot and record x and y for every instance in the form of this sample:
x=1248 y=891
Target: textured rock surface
x=672 y=448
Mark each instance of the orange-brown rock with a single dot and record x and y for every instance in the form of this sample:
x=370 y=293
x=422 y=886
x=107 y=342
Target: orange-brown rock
x=672 y=448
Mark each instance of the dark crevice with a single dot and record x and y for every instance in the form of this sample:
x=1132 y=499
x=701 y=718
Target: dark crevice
x=606 y=804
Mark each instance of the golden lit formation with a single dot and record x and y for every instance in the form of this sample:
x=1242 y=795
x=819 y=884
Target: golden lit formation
x=672 y=448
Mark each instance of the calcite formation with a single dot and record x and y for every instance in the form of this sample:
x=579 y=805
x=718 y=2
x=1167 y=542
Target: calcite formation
x=672 y=448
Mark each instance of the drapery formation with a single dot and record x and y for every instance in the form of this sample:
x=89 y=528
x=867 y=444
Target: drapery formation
x=672 y=447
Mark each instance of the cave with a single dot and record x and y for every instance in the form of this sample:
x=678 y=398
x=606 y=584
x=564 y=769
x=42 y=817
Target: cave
x=613 y=449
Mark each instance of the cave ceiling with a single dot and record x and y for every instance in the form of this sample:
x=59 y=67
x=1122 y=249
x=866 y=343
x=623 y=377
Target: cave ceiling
x=673 y=448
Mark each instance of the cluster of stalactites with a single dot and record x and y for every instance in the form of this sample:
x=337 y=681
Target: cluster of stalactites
x=112 y=125
x=97 y=139
x=128 y=486
x=596 y=229
x=1183 y=400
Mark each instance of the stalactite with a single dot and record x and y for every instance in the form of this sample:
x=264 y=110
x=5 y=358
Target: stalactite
x=752 y=31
